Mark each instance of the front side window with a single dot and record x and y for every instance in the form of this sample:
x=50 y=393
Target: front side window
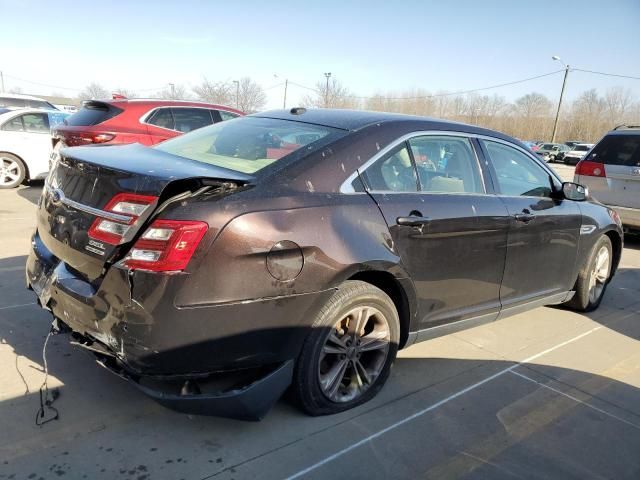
x=36 y=122
x=446 y=164
x=188 y=119
x=393 y=172
x=248 y=144
x=517 y=174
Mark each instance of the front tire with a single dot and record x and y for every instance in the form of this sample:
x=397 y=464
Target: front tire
x=593 y=277
x=12 y=171
x=347 y=356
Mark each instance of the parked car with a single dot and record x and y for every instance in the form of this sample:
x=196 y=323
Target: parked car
x=302 y=249
x=147 y=122
x=14 y=100
x=577 y=153
x=573 y=143
x=611 y=171
x=25 y=144
x=549 y=151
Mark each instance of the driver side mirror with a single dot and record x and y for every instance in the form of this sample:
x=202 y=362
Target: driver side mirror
x=574 y=191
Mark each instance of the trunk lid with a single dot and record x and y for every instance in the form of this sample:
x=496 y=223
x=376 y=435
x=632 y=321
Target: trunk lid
x=82 y=186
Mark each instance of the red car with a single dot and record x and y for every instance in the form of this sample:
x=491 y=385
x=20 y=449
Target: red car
x=147 y=122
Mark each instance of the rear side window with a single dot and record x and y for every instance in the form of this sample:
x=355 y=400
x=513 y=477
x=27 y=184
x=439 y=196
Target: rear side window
x=394 y=172
x=12 y=102
x=162 y=118
x=14 y=125
x=188 y=119
x=446 y=164
x=36 y=122
x=227 y=115
x=92 y=113
x=621 y=150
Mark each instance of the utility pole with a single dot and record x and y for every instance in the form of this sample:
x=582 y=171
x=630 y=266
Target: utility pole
x=2 y=80
x=173 y=91
x=286 y=84
x=237 y=82
x=564 y=83
x=326 y=90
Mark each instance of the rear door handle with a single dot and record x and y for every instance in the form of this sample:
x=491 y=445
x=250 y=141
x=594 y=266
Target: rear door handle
x=524 y=217
x=412 y=221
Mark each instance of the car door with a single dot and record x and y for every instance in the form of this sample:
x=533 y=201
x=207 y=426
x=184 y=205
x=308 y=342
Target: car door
x=448 y=230
x=29 y=136
x=544 y=228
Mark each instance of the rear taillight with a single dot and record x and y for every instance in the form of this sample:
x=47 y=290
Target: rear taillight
x=166 y=246
x=590 y=169
x=77 y=139
x=128 y=205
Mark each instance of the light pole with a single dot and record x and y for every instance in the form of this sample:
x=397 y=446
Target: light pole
x=173 y=91
x=326 y=90
x=286 y=84
x=237 y=82
x=564 y=82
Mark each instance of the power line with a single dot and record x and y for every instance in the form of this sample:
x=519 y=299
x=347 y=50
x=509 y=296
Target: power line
x=43 y=84
x=605 y=73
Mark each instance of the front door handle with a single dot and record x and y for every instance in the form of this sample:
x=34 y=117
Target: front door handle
x=412 y=221
x=524 y=217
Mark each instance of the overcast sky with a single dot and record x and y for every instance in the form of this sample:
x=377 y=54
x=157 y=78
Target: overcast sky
x=369 y=46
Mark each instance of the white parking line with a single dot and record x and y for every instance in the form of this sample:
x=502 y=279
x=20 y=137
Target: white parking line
x=436 y=405
x=17 y=306
x=576 y=400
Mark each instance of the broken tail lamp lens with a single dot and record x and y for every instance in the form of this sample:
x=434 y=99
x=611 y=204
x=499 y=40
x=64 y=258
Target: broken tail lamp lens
x=129 y=204
x=166 y=246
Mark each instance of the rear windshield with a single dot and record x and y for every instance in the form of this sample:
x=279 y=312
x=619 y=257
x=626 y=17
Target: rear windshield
x=25 y=103
x=247 y=144
x=92 y=113
x=581 y=148
x=548 y=146
x=618 y=150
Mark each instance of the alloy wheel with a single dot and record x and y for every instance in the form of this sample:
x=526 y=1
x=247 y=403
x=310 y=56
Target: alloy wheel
x=354 y=354
x=599 y=275
x=9 y=171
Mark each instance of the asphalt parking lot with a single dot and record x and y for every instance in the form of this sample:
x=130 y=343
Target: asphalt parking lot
x=546 y=394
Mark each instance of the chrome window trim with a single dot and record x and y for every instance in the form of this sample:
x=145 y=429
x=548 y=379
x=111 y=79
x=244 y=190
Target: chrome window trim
x=347 y=186
x=145 y=116
x=87 y=209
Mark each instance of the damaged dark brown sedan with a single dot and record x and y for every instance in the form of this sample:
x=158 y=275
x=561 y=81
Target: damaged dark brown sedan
x=301 y=249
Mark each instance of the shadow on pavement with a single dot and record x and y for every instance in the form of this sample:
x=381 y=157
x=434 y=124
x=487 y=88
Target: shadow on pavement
x=31 y=191
x=530 y=421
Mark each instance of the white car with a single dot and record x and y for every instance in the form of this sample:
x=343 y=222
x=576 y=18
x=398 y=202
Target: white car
x=577 y=153
x=25 y=144
x=16 y=100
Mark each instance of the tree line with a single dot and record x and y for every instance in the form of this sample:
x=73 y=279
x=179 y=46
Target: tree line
x=244 y=94
x=529 y=117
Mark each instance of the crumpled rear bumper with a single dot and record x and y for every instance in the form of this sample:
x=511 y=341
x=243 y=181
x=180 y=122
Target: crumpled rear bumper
x=250 y=401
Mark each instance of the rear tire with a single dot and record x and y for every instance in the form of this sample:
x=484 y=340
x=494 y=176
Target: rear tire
x=347 y=357
x=12 y=171
x=593 y=277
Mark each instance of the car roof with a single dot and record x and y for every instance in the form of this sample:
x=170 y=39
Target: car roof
x=357 y=119
x=21 y=97
x=157 y=102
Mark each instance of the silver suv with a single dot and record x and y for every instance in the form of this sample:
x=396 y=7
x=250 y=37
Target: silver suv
x=611 y=171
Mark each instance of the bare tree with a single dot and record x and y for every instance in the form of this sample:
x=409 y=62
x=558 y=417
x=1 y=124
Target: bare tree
x=174 y=92
x=94 y=91
x=125 y=92
x=222 y=93
x=330 y=94
x=617 y=100
x=251 y=96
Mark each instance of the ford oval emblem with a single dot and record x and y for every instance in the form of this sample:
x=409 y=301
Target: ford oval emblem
x=57 y=196
x=635 y=171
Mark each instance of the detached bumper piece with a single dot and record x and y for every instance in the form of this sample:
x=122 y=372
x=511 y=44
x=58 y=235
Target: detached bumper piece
x=243 y=395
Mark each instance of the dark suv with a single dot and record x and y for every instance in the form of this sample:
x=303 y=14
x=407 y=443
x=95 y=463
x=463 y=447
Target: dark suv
x=301 y=249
